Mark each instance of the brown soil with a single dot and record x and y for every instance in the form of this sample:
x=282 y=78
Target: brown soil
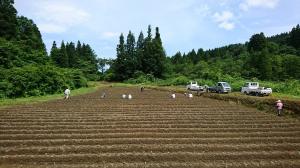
x=151 y=130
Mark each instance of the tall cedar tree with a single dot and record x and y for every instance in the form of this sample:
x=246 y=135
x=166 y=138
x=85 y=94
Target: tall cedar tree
x=159 y=55
x=63 y=56
x=140 y=51
x=54 y=53
x=119 y=65
x=8 y=19
x=71 y=52
x=294 y=39
x=148 y=60
x=131 y=60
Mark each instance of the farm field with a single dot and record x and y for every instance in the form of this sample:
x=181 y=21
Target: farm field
x=151 y=130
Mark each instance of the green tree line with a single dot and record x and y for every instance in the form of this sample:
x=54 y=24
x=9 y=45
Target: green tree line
x=25 y=67
x=134 y=58
x=275 y=58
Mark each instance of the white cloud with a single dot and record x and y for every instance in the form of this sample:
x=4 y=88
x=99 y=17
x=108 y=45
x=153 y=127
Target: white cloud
x=51 y=28
x=57 y=17
x=110 y=34
x=224 y=20
x=258 y=3
x=227 y=25
x=203 y=10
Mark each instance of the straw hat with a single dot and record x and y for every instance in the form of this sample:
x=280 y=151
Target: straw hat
x=278 y=101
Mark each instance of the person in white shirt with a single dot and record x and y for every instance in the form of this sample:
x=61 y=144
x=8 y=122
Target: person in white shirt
x=67 y=93
x=124 y=96
x=173 y=96
x=129 y=96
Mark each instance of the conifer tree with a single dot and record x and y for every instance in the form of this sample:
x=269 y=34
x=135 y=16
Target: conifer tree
x=140 y=51
x=294 y=39
x=63 y=56
x=54 y=54
x=159 y=55
x=148 y=60
x=119 y=65
x=71 y=52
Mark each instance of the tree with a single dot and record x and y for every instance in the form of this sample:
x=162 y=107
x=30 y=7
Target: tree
x=71 y=52
x=29 y=35
x=148 y=60
x=294 y=39
x=102 y=62
x=193 y=57
x=119 y=65
x=130 y=54
x=8 y=19
x=54 y=53
x=159 y=55
x=63 y=56
x=140 y=44
x=258 y=42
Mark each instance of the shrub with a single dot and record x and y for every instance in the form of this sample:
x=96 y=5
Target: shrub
x=35 y=80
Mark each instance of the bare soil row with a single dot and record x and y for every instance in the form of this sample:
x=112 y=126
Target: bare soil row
x=151 y=130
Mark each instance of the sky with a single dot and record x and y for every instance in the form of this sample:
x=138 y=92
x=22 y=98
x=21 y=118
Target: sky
x=184 y=24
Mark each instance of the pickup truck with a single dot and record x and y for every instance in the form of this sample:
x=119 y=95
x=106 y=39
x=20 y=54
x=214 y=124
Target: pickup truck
x=220 y=87
x=252 y=88
x=194 y=86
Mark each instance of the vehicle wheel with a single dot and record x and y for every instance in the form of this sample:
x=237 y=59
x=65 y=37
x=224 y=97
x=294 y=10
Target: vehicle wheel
x=245 y=93
x=256 y=94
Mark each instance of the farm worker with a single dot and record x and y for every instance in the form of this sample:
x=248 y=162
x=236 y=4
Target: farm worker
x=124 y=96
x=129 y=96
x=142 y=88
x=103 y=95
x=190 y=95
x=173 y=96
x=67 y=93
x=279 y=106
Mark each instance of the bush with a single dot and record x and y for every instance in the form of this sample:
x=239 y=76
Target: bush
x=34 y=80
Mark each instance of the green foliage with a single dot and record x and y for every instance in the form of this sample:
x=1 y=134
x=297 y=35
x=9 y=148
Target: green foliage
x=147 y=56
x=34 y=80
x=8 y=20
x=82 y=57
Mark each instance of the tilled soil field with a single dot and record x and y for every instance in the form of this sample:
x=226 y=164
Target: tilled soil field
x=151 y=130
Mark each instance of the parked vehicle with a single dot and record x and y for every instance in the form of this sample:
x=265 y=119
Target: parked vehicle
x=220 y=87
x=252 y=88
x=194 y=86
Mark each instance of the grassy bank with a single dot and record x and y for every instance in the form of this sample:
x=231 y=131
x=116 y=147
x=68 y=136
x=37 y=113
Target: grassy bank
x=92 y=86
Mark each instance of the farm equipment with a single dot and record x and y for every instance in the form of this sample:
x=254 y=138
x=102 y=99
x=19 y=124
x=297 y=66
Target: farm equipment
x=220 y=87
x=252 y=88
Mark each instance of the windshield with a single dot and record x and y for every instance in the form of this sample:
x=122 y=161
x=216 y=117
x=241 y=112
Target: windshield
x=226 y=84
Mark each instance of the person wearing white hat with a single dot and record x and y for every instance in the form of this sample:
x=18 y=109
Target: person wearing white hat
x=124 y=96
x=279 y=106
x=129 y=96
x=173 y=96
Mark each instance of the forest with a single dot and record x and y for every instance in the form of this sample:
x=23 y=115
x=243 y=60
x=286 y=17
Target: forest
x=26 y=69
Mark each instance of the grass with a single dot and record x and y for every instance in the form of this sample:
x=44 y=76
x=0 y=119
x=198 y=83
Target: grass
x=92 y=86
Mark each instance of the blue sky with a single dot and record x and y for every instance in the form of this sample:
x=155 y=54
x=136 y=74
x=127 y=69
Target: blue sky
x=184 y=24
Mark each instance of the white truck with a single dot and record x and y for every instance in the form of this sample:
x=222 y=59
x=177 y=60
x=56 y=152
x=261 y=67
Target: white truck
x=252 y=88
x=194 y=86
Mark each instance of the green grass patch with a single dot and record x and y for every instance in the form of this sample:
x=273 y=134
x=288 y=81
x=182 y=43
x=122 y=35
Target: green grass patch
x=92 y=87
